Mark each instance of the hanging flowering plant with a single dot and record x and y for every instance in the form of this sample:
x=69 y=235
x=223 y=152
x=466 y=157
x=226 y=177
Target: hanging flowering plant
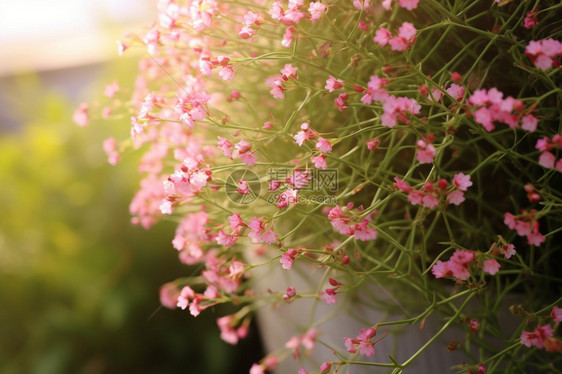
x=413 y=145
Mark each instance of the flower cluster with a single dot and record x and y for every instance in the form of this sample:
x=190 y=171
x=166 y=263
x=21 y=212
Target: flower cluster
x=431 y=196
x=362 y=139
x=546 y=146
x=526 y=224
x=462 y=263
x=544 y=53
x=492 y=107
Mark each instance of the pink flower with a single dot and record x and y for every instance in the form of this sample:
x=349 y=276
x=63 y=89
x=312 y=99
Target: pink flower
x=362 y=25
x=277 y=89
x=186 y=293
x=110 y=148
x=236 y=269
x=408 y=4
x=320 y=162
x=456 y=197
x=269 y=237
x=456 y=267
x=547 y=160
x=556 y=314
x=382 y=36
x=256 y=369
x=407 y=31
x=508 y=250
x=248 y=158
x=111 y=89
x=325 y=367
x=166 y=207
x=316 y=10
x=441 y=269
x=288 y=37
x=529 y=122
x=169 y=295
x=461 y=181
x=246 y=32
x=372 y=144
x=530 y=20
x=236 y=222
x=363 y=342
x=538 y=337
x=456 y=91
x=289 y=72
x=306 y=133
x=226 y=239
x=363 y=232
x=426 y=151
x=473 y=325
x=225 y=145
x=491 y=266
x=323 y=145
x=329 y=296
x=226 y=73
x=287 y=259
x=289 y=294
x=243 y=188
x=340 y=101
x=543 y=52
x=333 y=84
x=80 y=116
x=229 y=332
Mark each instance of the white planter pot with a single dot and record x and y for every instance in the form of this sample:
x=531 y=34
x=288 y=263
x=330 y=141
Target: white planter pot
x=278 y=324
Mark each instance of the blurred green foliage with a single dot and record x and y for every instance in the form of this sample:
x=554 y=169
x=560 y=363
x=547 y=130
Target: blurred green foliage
x=78 y=283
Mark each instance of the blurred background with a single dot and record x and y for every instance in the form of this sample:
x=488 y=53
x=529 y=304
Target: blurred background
x=78 y=283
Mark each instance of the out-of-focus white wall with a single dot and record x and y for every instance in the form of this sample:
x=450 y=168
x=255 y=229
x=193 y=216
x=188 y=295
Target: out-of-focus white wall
x=55 y=34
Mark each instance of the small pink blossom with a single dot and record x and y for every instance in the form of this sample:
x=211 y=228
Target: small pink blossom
x=363 y=342
x=491 y=266
x=277 y=89
x=323 y=145
x=80 y=116
x=288 y=37
x=543 y=52
x=287 y=259
x=111 y=89
x=408 y=4
x=110 y=148
x=341 y=101
x=508 y=250
x=320 y=162
x=289 y=72
x=461 y=181
x=256 y=369
x=529 y=122
x=556 y=314
x=373 y=144
x=456 y=197
x=426 y=151
x=530 y=20
x=289 y=294
x=537 y=337
x=382 y=36
x=333 y=84
x=316 y=10
x=243 y=188
x=329 y=296
x=456 y=91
